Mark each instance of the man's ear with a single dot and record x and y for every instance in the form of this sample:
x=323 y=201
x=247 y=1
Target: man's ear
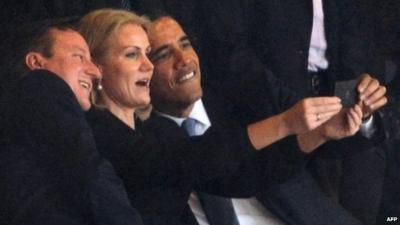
x=34 y=60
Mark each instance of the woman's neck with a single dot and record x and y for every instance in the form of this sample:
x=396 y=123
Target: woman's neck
x=125 y=114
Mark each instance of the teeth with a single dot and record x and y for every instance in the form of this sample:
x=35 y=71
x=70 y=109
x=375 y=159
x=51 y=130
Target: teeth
x=84 y=84
x=186 y=77
x=144 y=82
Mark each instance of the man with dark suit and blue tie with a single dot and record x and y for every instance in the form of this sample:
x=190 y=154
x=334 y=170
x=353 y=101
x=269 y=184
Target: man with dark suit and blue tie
x=177 y=95
x=307 y=45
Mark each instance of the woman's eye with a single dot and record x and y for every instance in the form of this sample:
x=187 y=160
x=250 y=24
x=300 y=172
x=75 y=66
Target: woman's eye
x=131 y=55
x=81 y=58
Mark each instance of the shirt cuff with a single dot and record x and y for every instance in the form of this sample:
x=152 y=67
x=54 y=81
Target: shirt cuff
x=368 y=127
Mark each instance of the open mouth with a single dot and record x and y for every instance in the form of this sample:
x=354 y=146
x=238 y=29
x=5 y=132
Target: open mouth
x=186 y=77
x=85 y=84
x=143 y=83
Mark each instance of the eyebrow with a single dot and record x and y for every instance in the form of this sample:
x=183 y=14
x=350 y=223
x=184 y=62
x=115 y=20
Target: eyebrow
x=163 y=47
x=158 y=50
x=135 y=47
x=130 y=46
x=78 y=48
x=184 y=38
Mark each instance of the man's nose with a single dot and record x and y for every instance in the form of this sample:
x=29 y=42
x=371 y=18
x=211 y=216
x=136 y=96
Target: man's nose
x=92 y=70
x=181 y=59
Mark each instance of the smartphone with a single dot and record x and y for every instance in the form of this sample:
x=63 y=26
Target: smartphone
x=347 y=92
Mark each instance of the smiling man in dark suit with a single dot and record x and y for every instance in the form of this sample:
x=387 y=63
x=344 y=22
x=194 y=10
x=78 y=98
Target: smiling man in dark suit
x=51 y=170
x=177 y=95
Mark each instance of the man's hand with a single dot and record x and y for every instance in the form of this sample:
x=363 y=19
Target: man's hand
x=372 y=95
x=310 y=113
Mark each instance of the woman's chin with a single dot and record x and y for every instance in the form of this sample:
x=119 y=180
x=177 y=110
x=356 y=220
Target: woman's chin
x=143 y=103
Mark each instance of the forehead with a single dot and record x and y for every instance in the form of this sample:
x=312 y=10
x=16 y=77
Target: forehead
x=165 y=31
x=68 y=39
x=130 y=34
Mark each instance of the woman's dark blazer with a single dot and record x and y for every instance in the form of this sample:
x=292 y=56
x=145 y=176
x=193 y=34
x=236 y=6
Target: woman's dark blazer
x=160 y=168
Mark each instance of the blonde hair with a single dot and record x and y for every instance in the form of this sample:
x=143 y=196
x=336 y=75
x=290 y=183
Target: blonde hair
x=98 y=26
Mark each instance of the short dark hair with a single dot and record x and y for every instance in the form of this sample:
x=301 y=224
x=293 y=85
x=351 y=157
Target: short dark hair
x=34 y=36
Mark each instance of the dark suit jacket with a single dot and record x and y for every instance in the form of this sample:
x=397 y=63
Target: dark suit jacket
x=160 y=166
x=51 y=171
x=267 y=167
x=307 y=203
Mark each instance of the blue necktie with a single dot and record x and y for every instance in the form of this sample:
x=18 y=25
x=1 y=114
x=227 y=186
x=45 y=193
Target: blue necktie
x=189 y=125
x=218 y=210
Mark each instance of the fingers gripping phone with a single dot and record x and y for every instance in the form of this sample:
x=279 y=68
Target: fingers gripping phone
x=347 y=92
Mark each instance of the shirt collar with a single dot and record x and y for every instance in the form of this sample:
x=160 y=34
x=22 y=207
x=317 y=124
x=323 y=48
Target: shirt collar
x=198 y=113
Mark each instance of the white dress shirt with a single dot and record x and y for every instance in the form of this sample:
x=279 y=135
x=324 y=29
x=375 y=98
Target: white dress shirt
x=249 y=211
x=198 y=113
x=316 y=54
x=368 y=127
